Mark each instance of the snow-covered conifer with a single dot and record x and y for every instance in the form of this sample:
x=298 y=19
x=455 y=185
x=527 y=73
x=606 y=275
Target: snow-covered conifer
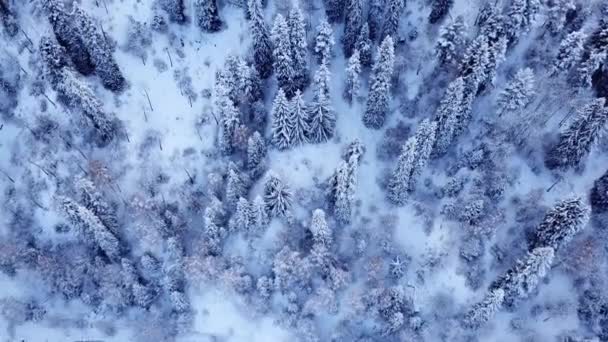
x=282 y=126
x=400 y=183
x=452 y=38
x=570 y=51
x=576 y=141
x=299 y=49
x=324 y=42
x=485 y=310
x=352 y=83
x=364 y=46
x=561 y=223
x=557 y=10
x=374 y=18
x=262 y=45
x=229 y=121
x=259 y=214
x=90 y=227
x=321 y=115
x=243 y=216
x=520 y=16
x=334 y=9
x=175 y=9
x=299 y=118
x=93 y=200
x=54 y=58
x=393 y=13
x=342 y=193
x=256 y=153
x=352 y=25
x=439 y=9
x=521 y=280
x=251 y=84
x=235 y=188
x=283 y=59
x=207 y=15
x=277 y=196
x=321 y=233
x=425 y=137
x=448 y=114
x=599 y=194
x=518 y=93
x=379 y=97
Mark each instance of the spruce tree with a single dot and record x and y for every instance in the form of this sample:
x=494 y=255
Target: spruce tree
x=521 y=280
x=282 y=126
x=277 y=196
x=425 y=138
x=93 y=200
x=352 y=81
x=207 y=15
x=400 y=183
x=299 y=118
x=321 y=115
x=262 y=46
x=364 y=46
x=485 y=310
x=452 y=38
x=570 y=52
x=229 y=122
x=439 y=9
x=283 y=60
x=235 y=188
x=256 y=154
x=576 y=141
x=352 y=25
x=518 y=93
x=561 y=223
x=374 y=18
x=243 y=216
x=175 y=9
x=393 y=13
x=334 y=10
x=447 y=116
x=379 y=97
x=321 y=233
x=557 y=11
x=520 y=16
x=100 y=51
x=342 y=193
x=259 y=214
x=324 y=42
x=599 y=194
x=299 y=50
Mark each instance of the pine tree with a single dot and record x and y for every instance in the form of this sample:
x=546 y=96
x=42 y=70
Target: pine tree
x=235 y=188
x=364 y=46
x=283 y=60
x=93 y=200
x=520 y=281
x=262 y=46
x=90 y=227
x=207 y=15
x=448 y=115
x=282 y=127
x=175 y=9
x=374 y=18
x=391 y=19
x=576 y=141
x=324 y=42
x=299 y=118
x=451 y=41
x=352 y=25
x=400 y=183
x=321 y=115
x=352 y=82
x=242 y=220
x=277 y=196
x=518 y=93
x=342 y=193
x=570 y=52
x=100 y=51
x=561 y=223
x=321 y=233
x=425 y=138
x=599 y=194
x=256 y=154
x=334 y=10
x=520 y=16
x=229 y=121
x=68 y=37
x=378 y=100
x=556 y=14
x=439 y=9
x=299 y=50
x=259 y=214
x=485 y=310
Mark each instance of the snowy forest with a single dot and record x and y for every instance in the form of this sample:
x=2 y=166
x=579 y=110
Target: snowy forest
x=303 y=170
